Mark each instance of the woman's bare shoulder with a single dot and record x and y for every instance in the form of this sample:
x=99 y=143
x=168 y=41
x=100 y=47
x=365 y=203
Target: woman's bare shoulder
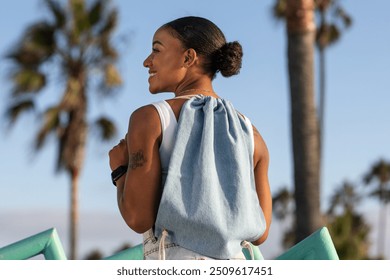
x=261 y=150
x=145 y=119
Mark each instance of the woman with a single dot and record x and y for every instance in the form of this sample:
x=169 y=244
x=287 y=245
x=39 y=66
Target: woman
x=187 y=53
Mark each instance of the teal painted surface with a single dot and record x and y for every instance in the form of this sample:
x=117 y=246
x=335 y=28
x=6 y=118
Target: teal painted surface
x=317 y=246
x=47 y=243
x=256 y=253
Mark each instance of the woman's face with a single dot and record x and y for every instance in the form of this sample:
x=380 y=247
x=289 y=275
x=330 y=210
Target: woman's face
x=165 y=63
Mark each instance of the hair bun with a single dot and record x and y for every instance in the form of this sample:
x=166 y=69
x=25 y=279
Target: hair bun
x=228 y=59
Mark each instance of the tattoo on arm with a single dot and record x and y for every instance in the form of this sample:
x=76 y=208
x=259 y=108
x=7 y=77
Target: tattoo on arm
x=137 y=159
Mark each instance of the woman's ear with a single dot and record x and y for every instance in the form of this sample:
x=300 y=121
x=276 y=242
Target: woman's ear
x=190 y=57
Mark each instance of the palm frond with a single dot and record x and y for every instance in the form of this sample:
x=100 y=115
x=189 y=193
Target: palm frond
x=281 y=201
x=106 y=128
x=345 y=198
x=107 y=49
x=28 y=58
x=27 y=81
x=80 y=22
x=50 y=124
x=41 y=36
x=379 y=171
x=16 y=109
x=58 y=13
x=110 y=24
x=327 y=34
x=279 y=9
x=36 y=46
x=112 y=76
x=96 y=12
x=378 y=178
x=346 y=18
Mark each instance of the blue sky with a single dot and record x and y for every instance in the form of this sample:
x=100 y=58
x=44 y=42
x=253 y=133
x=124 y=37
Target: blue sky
x=34 y=198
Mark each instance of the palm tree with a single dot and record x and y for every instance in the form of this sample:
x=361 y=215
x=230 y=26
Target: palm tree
x=281 y=202
x=348 y=229
x=283 y=209
x=75 y=43
x=350 y=233
x=306 y=123
x=328 y=33
x=345 y=197
x=379 y=179
x=301 y=31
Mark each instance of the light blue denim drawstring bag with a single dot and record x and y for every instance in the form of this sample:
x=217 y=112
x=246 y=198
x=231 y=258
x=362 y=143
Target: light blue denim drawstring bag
x=209 y=203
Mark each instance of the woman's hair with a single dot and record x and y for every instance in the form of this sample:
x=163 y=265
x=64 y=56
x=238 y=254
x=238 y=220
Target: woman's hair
x=207 y=40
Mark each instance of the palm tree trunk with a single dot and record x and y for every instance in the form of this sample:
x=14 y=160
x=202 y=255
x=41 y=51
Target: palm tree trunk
x=74 y=158
x=384 y=230
x=382 y=223
x=78 y=154
x=321 y=107
x=73 y=154
x=74 y=216
x=304 y=122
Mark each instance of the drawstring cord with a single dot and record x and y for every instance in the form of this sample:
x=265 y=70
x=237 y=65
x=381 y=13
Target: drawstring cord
x=247 y=245
x=161 y=246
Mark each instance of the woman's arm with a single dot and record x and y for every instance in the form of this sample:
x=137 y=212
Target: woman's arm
x=139 y=192
x=261 y=161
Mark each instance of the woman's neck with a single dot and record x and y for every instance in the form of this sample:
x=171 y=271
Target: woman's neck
x=200 y=87
x=195 y=91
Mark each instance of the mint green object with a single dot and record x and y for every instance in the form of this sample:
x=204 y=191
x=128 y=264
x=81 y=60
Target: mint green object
x=317 y=246
x=47 y=243
x=256 y=253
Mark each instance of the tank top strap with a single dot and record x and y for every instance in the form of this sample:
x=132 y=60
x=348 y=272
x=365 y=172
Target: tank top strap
x=168 y=130
x=165 y=112
x=250 y=128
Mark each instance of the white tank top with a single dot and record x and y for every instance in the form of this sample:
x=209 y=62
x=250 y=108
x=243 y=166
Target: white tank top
x=168 y=129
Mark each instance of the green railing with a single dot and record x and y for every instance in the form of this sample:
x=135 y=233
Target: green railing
x=318 y=246
x=46 y=243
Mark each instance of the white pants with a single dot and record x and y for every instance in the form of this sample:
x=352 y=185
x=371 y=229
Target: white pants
x=171 y=251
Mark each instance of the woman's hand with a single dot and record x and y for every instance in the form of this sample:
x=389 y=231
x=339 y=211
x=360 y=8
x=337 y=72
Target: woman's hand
x=119 y=154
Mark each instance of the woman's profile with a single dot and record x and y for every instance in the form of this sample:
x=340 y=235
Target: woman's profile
x=192 y=173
